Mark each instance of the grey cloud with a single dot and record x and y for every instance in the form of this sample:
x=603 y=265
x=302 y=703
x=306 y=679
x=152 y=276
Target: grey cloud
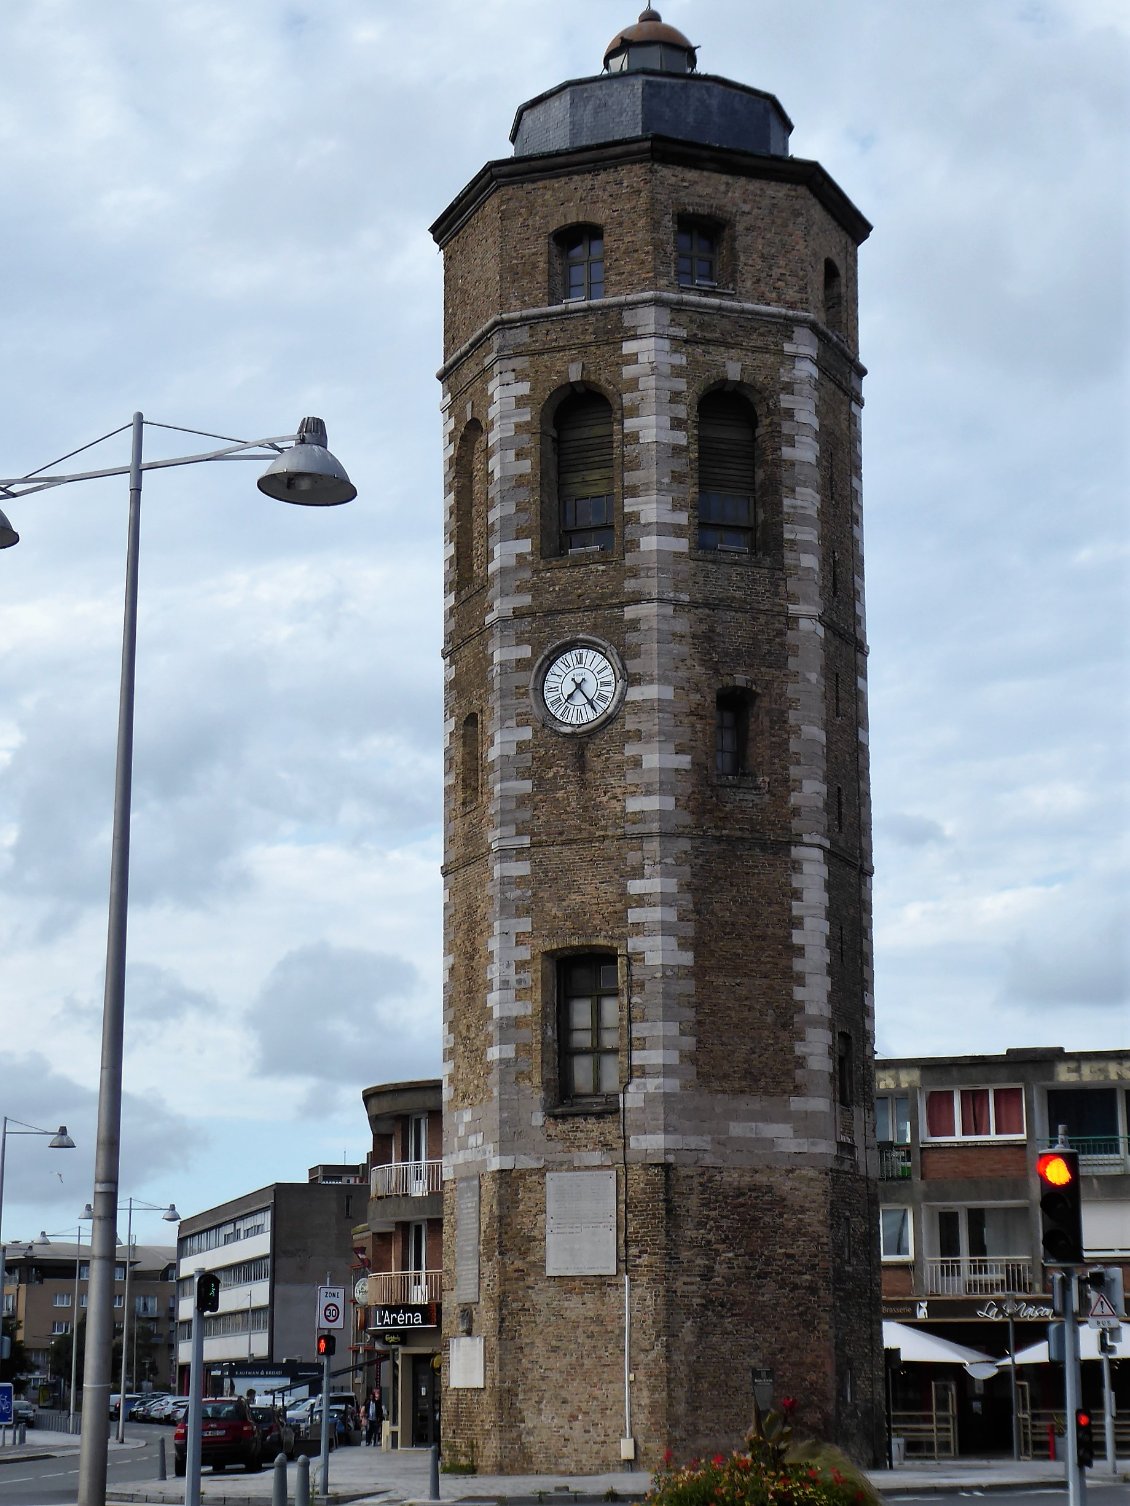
x=325 y=1010
x=912 y=831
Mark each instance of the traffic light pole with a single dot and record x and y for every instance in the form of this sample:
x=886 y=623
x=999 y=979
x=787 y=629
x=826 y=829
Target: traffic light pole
x=195 y=1395
x=1076 y=1476
x=325 y=1481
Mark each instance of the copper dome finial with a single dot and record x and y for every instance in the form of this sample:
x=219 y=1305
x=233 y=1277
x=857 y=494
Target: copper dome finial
x=649 y=44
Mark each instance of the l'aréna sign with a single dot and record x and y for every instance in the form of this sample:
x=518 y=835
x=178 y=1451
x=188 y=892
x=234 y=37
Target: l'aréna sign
x=409 y=1316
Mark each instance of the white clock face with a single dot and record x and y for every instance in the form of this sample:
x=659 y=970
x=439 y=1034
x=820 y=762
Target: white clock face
x=580 y=685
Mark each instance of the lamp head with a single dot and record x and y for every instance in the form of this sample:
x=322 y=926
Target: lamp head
x=87 y=1212
x=170 y=1215
x=307 y=473
x=8 y=535
x=61 y=1141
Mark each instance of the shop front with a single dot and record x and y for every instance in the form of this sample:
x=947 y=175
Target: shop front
x=406 y=1341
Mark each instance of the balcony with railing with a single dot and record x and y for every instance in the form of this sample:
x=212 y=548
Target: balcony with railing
x=894 y=1162
x=1099 y=1154
x=406 y=1179
x=400 y=1288
x=979 y=1276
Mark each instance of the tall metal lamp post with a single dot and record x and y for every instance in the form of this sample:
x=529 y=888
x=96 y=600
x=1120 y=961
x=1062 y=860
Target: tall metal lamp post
x=304 y=473
x=171 y=1216
x=58 y=1139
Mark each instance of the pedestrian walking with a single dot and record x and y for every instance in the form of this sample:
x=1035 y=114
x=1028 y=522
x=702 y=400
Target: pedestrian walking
x=372 y=1418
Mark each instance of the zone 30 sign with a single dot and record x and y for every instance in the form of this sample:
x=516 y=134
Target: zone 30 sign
x=331 y=1307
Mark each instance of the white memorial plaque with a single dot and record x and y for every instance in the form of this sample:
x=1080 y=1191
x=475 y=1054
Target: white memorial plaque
x=465 y=1364
x=580 y=1223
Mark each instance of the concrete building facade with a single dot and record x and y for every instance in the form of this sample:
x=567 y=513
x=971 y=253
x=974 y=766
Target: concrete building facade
x=658 y=1144
x=271 y=1249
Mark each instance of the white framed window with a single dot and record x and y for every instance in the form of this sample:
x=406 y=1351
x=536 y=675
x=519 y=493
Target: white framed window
x=896 y=1234
x=892 y=1119
x=119 y=1299
x=61 y=1299
x=60 y=1326
x=975 y=1114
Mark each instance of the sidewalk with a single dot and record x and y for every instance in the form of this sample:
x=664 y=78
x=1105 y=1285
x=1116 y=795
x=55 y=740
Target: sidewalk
x=371 y=1477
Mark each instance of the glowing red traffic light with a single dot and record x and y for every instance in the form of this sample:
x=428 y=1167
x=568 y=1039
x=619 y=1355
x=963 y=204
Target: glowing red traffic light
x=1055 y=1169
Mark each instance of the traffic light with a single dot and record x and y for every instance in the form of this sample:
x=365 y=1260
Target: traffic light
x=207 y=1292
x=1084 y=1441
x=1060 y=1211
x=327 y=1344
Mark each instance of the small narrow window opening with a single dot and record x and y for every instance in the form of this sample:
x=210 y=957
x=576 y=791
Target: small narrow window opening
x=839 y=807
x=845 y=1070
x=833 y=298
x=469 y=760
x=731 y=731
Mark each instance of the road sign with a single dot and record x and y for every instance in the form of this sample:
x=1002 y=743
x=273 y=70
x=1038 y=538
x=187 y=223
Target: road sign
x=7 y=1402
x=361 y=1291
x=1102 y=1314
x=331 y=1307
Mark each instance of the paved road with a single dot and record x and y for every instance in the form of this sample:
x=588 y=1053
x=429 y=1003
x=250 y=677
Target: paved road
x=54 y=1482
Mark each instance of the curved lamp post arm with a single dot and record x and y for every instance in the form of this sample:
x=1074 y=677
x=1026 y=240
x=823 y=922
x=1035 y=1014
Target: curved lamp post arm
x=23 y=486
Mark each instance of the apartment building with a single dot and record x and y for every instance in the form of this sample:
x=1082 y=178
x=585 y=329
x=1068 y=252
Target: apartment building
x=960 y=1231
x=398 y=1271
x=271 y=1249
x=45 y=1291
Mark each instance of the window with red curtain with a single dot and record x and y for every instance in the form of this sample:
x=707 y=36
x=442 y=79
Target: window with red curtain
x=1008 y=1111
x=975 y=1111
x=939 y=1114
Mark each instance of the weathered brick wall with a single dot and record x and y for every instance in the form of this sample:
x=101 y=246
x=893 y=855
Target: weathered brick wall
x=959 y=1162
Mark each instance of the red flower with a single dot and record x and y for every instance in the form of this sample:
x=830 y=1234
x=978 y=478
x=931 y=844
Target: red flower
x=788 y=1405
x=718 y=1459
x=668 y=1457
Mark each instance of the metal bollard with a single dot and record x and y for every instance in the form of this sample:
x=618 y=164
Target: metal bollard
x=278 y=1483
x=161 y=1475
x=21 y=1434
x=433 y=1473
x=302 y=1482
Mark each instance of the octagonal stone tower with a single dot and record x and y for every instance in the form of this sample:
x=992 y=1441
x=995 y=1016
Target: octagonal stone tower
x=659 y=1159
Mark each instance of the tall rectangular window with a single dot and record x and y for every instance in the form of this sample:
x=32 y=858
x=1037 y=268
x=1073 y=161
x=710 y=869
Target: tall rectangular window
x=731 y=732
x=582 y=252
x=894 y=1233
x=696 y=263
x=589 y=1008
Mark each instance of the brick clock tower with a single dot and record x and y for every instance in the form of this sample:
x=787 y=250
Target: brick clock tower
x=659 y=1149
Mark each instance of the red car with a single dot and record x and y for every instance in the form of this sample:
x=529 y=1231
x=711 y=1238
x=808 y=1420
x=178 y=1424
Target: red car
x=228 y=1435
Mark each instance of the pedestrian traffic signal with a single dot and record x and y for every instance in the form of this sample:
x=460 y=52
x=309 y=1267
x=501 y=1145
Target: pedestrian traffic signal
x=1060 y=1210
x=327 y=1344
x=1084 y=1440
x=207 y=1292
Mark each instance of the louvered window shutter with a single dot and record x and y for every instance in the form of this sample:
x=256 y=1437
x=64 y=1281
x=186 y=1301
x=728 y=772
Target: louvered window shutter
x=584 y=473
x=726 y=454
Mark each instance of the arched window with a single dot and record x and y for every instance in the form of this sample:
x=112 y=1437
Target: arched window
x=584 y=474
x=469 y=760
x=580 y=263
x=833 y=298
x=470 y=504
x=727 y=511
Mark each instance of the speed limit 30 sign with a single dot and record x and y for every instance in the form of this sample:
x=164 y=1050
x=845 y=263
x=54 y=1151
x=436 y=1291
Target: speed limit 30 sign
x=331 y=1307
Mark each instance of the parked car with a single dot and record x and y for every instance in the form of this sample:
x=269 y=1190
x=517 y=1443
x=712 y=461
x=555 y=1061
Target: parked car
x=23 y=1411
x=151 y=1408
x=278 y=1435
x=298 y=1414
x=228 y=1435
x=132 y=1398
x=176 y=1411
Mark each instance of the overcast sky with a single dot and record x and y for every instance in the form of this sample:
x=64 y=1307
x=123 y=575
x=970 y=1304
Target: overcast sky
x=218 y=214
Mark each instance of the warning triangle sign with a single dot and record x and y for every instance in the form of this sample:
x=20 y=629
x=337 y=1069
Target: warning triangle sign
x=1101 y=1306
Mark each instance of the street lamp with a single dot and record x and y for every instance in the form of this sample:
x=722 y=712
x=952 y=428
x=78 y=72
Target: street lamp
x=59 y=1139
x=171 y=1216
x=305 y=473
